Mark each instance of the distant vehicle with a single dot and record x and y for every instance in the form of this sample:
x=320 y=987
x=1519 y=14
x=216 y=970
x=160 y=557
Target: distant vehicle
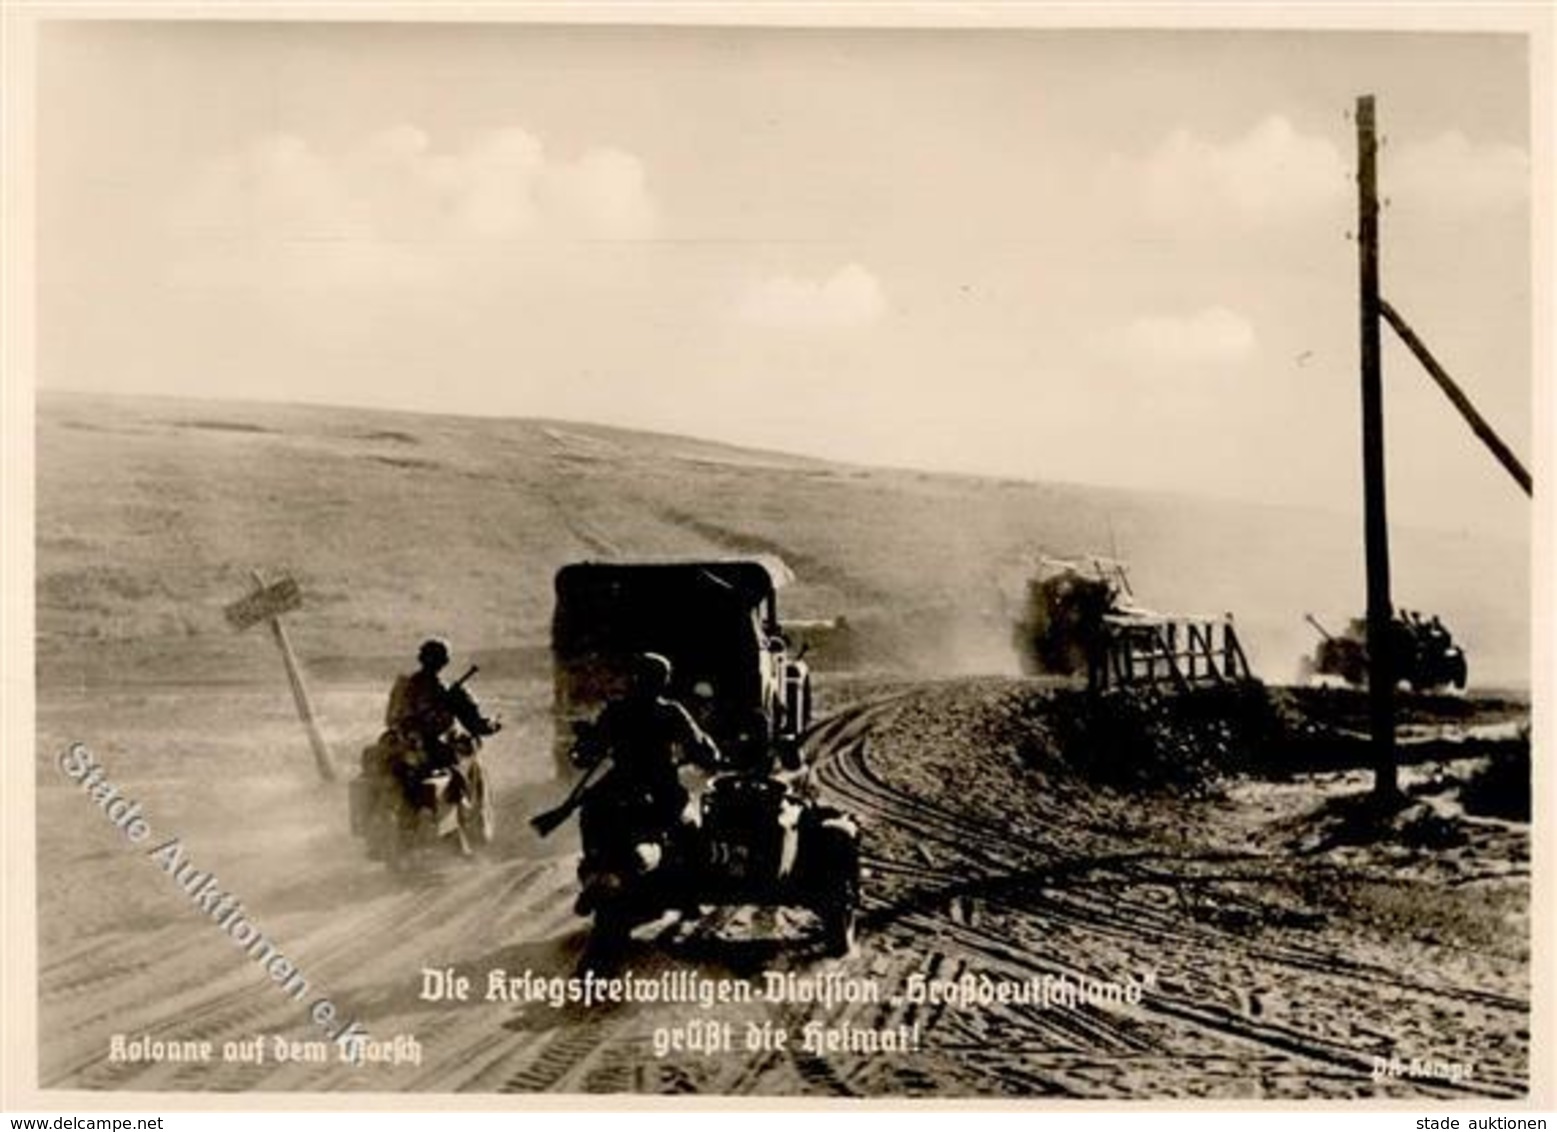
x=1080 y=616
x=715 y=620
x=1425 y=655
x=1062 y=626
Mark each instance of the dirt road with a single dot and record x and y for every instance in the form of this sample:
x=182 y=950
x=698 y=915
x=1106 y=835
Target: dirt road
x=1215 y=965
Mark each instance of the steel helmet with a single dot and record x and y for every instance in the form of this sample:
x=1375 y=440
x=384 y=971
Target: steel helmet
x=433 y=653
x=651 y=673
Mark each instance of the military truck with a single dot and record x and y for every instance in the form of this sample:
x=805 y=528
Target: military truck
x=1080 y=617
x=1061 y=629
x=762 y=836
x=715 y=620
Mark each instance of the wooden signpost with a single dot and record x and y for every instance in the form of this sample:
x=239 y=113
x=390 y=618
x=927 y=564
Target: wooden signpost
x=267 y=603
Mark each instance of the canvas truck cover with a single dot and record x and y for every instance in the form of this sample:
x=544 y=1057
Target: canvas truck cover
x=710 y=617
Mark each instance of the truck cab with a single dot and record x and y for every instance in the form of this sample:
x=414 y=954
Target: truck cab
x=715 y=620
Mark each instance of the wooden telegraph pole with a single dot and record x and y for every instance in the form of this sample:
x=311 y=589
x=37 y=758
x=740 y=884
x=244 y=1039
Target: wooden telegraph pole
x=268 y=602
x=1381 y=680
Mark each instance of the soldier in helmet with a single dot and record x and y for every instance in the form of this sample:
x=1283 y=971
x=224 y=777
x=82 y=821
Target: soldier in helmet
x=423 y=709
x=647 y=734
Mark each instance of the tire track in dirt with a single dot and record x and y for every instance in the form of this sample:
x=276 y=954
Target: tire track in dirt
x=838 y=748
x=242 y=1001
x=1010 y=917
x=848 y=773
x=345 y=955
x=589 y=534
x=992 y=951
x=840 y=754
x=160 y=1003
x=815 y=570
x=367 y=958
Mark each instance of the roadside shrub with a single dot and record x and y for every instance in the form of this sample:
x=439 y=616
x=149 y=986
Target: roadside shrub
x=1152 y=739
x=1501 y=788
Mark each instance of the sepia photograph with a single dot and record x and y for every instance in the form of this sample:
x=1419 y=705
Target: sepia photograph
x=793 y=559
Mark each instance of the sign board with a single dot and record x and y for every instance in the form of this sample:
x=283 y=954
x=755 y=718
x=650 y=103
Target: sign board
x=270 y=601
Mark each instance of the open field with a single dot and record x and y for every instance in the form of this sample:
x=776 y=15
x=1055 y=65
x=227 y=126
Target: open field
x=151 y=513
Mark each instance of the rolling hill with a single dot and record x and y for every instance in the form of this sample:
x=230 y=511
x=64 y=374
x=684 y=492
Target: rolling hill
x=151 y=513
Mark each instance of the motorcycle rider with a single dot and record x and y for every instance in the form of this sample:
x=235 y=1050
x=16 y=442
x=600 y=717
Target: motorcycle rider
x=641 y=796
x=422 y=709
x=421 y=715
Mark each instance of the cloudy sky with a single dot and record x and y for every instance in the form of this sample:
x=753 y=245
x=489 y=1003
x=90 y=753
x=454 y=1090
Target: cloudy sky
x=1117 y=257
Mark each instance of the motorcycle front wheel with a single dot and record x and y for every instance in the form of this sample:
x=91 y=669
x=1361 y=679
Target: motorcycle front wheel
x=478 y=814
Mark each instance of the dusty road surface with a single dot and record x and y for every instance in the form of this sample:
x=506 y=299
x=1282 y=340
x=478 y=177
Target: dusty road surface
x=1188 y=947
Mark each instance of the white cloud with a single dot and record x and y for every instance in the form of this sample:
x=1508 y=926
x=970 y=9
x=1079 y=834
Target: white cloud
x=604 y=191
x=1450 y=174
x=1272 y=173
x=851 y=296
x=396 y=185
x=1211 y=338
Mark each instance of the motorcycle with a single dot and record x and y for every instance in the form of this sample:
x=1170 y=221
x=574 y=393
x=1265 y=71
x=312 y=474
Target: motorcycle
x=417 y=799
x=750 y=837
